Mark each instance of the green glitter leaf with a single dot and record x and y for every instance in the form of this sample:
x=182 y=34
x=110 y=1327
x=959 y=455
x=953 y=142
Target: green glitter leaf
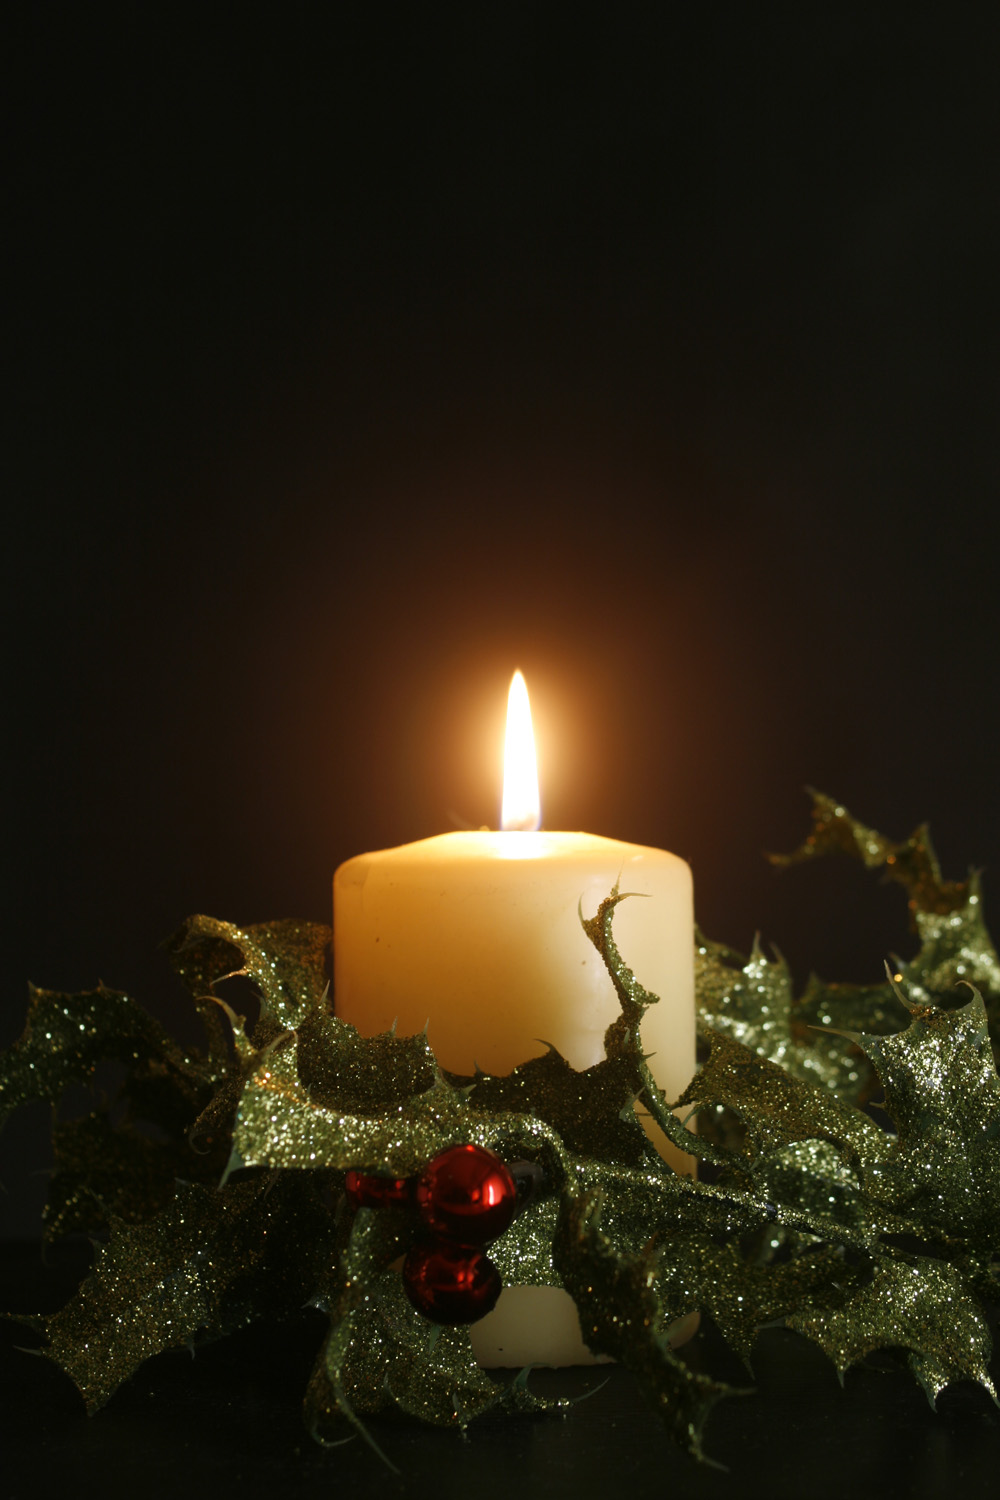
x=751 y=1001
x=381 y=1353
x=279 y=1125
x=592 y=1111
x=913 y=862
x=914 y=1303
x=623 y=1040
x=622 y=1315
x=202 y=1267
x=947 y=916
x=123 y=1157
x=697 y=1273
x=65 y=1037
x=955 y=948
x=778 y=1109
x=103 y=1172
x=284 y=960
x=942 y=1092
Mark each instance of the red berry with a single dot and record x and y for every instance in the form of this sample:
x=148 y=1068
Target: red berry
x=450 y=1283
x=366 y=1191
x=467 y=1194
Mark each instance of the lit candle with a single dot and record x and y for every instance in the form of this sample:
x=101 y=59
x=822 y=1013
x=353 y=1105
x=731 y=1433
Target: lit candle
x=477 y=936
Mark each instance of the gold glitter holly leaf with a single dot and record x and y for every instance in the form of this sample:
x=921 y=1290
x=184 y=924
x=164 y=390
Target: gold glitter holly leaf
x=956 y=948
x=623 y=1038
x=807 y=1152
x=591 y=1111
x=330 y=1067
x=381 y=1353
x=622 y=1313
x=623 y=1045
x=751 y=1000
x=912 y=862
x=285 y=961
x=433 y=1373
x=523 y=1255
x=938 y=1179
x=121 y=1158
x=105 y=1171
x=910 y=1302
x=280 y=1124
x=637 y=1204
x=827 y=1016
x=947 y=917
x=779 y=1110
x=348 y=1379
x=344 y=1071
x=942 y=1168
x=805 y=1198
x=202 y=1267
x=66 y=1037
x=696 y=1272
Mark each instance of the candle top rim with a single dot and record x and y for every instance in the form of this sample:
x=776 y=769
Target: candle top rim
x=498 y=845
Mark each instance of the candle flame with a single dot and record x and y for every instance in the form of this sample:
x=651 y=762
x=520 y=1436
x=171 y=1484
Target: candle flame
x=522 y=808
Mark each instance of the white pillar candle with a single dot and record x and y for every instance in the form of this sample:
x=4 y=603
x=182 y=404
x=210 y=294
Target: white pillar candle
x=477 y=936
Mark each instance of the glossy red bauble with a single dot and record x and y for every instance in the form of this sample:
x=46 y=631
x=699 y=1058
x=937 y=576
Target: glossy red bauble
x=467 y=1194
x=366 y=1191
x=450 y=1283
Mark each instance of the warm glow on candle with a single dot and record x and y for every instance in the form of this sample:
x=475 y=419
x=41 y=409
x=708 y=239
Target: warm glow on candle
x=522 y=809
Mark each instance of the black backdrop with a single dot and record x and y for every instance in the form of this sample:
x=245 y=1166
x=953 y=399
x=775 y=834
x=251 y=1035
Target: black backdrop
x=358 y=362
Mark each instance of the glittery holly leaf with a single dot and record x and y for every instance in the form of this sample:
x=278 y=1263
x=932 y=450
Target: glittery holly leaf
x=344 y=1071
x=281 y=1125
x=434 y=1375
x=937 y=1180
x=822 y=1180
x=284 y=960
x=955 y=948
x=285 y=964
x=826 y=1018
x=348 y=1380
x=812 y=1036
x=106 y=1171
x=65 y=1037
x=734 y=1079
x=751 y=1000
x=381 y=1353
x=942 y=1168
x=523 y=1255
x=123 y=1157
x=623 y=1039
x=208 y=1263
x=947 y=917
x=622 y=1315
x=777 y=1109
x=592 y=1112
x=920 y=1305
x=912 y=862
x=747 y=999
x=696 y=1272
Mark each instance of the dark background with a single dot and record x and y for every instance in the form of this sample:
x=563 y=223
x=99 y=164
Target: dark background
x=358 y=361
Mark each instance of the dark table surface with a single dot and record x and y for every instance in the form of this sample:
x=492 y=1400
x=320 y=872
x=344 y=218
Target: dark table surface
x=230 y=1419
